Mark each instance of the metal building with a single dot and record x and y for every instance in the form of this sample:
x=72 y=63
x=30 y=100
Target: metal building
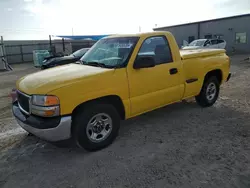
x=235 y=30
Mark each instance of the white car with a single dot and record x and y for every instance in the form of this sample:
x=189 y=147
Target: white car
x=206 y=43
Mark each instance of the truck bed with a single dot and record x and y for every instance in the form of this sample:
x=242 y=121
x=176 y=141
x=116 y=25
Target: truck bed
x=188 y=54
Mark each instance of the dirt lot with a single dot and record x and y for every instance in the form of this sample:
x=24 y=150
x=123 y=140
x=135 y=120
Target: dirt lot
x=9 y=130
x=181 y=145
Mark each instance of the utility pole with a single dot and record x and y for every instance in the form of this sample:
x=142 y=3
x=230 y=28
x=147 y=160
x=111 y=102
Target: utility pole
x=72 y=31
x=50 y=43
x=139 y=29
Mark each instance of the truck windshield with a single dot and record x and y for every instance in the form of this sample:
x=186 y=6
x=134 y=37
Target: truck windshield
x=110 y=52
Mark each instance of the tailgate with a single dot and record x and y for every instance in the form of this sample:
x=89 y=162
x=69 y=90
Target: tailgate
x=188 y=54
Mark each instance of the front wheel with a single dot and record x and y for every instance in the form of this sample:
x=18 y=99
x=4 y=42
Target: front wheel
x=209 y=92
x=96 y=126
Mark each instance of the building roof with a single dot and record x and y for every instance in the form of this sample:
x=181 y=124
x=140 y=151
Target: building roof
x=217 y=19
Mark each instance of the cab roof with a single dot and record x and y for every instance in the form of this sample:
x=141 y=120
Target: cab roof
x=147 y=34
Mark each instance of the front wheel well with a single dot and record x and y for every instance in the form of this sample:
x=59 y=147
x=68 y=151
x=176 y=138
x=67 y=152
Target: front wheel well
x=111 y=99
x=217 y=73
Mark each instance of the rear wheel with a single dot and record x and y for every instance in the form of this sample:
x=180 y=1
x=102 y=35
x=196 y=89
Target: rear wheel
x=209 y=92
x=96 y=126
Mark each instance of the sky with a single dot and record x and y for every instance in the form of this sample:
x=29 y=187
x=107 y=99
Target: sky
x=36 y=19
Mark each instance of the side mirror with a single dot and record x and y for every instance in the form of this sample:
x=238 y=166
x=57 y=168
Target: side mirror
x=144 y=62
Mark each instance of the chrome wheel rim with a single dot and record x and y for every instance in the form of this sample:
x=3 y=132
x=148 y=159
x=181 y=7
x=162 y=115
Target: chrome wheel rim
x=99 y=127
x=211 y=91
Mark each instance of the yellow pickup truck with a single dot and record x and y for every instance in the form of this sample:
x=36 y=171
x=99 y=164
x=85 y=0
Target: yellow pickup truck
x=120 y=77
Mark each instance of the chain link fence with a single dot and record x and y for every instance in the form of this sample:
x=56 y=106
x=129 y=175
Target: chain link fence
x=22 y=51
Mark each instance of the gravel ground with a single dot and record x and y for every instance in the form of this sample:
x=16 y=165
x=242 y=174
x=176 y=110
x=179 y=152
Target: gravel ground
x=10 y=132
x=181 y=145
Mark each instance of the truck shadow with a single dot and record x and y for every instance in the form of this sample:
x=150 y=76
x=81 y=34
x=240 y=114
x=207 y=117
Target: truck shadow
x=170 y=118
x=214 y=139
x=150 y=118
x=158 y=116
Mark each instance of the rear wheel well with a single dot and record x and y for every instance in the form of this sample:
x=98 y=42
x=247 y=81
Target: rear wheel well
x=111 y=99
x=217 y=73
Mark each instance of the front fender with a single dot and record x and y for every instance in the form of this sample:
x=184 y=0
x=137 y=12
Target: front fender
x=96 y=87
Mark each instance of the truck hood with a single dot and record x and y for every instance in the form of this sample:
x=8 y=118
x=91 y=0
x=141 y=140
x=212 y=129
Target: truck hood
x=43 y=82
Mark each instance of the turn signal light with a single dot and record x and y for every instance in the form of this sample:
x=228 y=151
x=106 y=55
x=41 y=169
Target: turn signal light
x=51 y=100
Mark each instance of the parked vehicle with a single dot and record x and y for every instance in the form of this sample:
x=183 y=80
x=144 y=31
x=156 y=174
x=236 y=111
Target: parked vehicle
x=121 y=76
x=63 y=60
x=206 y=43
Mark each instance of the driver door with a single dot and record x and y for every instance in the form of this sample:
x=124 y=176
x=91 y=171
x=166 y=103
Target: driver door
x=156 y=86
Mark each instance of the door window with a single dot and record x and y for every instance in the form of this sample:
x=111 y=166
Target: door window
x=213 y=42
x=220 y=41
x=158 y=48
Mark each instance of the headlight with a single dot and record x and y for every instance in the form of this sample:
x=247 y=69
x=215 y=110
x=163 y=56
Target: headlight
x=41 y=100
x=46 y=106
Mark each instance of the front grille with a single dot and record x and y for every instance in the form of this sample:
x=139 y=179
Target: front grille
x=23 y=101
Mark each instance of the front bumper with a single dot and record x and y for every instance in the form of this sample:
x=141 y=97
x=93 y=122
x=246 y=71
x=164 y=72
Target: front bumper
x=48 y=129
x=229 y=76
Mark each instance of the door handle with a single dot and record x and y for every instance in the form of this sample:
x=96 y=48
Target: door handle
x=173 y=71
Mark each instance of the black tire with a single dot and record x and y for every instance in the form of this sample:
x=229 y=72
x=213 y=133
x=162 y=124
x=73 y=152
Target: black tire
x=43 y=67
x=84 y=115
x=202 y=98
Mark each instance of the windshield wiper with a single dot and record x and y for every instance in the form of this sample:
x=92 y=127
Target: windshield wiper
x=94 y=63
x=97 y=64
